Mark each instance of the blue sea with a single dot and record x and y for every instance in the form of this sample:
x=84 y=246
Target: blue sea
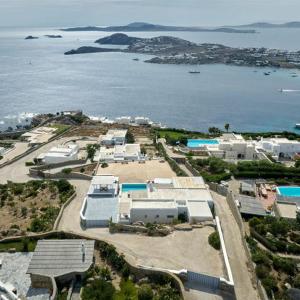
x=36 y=77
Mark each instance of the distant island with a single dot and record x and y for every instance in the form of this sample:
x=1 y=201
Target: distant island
x=53 y=36
x=30 y=37
x=173 y=50
x=294 y=24
x=90 y=49
x=141 y=26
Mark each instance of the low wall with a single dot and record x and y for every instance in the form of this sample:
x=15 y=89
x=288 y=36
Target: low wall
x=62 y=175
x=191 y=169
x=55 y=226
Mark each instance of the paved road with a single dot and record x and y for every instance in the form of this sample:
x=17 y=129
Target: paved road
x=17 y=171
x=237 y=256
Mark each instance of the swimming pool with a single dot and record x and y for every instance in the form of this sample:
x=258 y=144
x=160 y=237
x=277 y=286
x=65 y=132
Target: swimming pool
x=126 y=187
x=198 y=143
x=289 y=191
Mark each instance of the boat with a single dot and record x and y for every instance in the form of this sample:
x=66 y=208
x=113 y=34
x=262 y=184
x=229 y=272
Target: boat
x=267 y=73
x=297 y=125
x=194 y=72
x=136 y=59
x=294 y=75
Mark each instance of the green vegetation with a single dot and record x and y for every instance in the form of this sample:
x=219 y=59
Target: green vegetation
x=171 y=162
x=46 y=220
x=145 y=292
x=128 y=291
x=283 y=134
x=23 y=245
x=60 y=128
x=98 y=289
x=213 y=169
x=129 y=138
x=275 y=234
x=174 y=136
x=104 y=165
x=66 y=170
x=272 y=270
x=227 y=126
x=29 y=163
x=91 y=151
x=214 y=240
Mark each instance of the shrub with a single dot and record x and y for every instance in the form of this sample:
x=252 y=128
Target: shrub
x=297 y=281
x=98 y=289
x=29 y=163
x=145 y=292
x=269 y=284
x=262 y=271
x=104 y=165
x=259 y=257
x=284 y=264
x=24 y=211
x=214 y=240
x=82 y=170
x=67 y=170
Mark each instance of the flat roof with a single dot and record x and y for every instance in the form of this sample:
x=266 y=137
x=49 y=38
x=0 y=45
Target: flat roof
x=199 y=209
x=102 y=208
x=287 y=210
x=58 y=257
x=151 y=203
x=104 y=179
x=251 y=206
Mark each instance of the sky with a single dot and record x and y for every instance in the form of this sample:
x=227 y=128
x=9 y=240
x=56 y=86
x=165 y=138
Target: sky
x=64 y=13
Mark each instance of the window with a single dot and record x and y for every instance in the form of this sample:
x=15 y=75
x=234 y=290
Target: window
x=157 y=216
x=170 y=216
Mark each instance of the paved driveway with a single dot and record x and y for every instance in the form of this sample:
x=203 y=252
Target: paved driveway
x=237 y=256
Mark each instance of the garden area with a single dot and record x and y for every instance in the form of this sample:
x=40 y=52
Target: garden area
x=32 y=206
x=274 y=246
x=276 y=273
x=277 y=234
x=112 y=279
x=215 y=169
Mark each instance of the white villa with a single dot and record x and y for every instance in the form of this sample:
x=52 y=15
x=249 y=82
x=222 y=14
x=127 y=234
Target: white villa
x=63 y=153
x=126 y=120
x=158 y=201
x=114 y=137
x=228 y=146
x=127 y=152
x=101 y=202
x=141 y=121
x=279 y=147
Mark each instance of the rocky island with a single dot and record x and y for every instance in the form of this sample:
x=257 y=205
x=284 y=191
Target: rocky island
x=173 y=50
x=30 y=37
x=53 y=36
x=141 y=26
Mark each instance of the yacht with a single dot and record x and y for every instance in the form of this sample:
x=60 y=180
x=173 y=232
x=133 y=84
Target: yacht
x=194 y=72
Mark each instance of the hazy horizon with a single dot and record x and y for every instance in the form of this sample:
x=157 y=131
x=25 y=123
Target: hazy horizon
x=37 y=13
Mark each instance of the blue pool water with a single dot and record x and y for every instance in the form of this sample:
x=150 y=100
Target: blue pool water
x=289 y=191
x=126 y=187
x=198 y=143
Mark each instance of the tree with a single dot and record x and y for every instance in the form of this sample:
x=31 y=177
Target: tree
x=226 y=126
x=145 y=292
x=214 y=131
x=214 y=240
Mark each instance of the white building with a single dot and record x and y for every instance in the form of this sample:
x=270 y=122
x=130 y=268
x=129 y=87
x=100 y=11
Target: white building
x=101 y=202
x=126 y=120
x=164 y=200
x=141 y=120
x=279 y=147
x=114 y=137
x=127 y=152
x=228 y=146
x=60 y=154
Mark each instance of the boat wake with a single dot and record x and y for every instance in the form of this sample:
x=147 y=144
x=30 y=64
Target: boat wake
x=289 y=91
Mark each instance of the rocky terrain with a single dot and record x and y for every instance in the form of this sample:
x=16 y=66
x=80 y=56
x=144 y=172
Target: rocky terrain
x=173 y=50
